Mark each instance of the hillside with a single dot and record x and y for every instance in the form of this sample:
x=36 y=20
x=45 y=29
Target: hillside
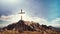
x=27 y=27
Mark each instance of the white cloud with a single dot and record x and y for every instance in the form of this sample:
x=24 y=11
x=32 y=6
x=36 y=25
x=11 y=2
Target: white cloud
x=5 y=18
x=56 y=22
x=9 y=1
x=16 y=18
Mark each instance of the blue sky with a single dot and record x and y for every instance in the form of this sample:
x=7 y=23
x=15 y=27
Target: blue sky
x=45 y=9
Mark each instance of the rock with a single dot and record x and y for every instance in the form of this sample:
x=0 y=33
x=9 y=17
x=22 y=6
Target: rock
x=22 y=26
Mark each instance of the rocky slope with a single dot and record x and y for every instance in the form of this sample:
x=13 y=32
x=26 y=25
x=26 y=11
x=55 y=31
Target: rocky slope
x=22 y=26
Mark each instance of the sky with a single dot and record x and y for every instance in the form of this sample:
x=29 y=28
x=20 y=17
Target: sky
x=42 y=11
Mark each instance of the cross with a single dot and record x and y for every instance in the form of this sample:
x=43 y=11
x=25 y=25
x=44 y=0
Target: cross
x=21 y=13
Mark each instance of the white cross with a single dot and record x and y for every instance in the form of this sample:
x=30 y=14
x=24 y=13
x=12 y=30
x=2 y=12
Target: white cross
x=21 y=13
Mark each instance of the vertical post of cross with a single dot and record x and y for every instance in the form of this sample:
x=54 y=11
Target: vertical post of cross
x=21 y=17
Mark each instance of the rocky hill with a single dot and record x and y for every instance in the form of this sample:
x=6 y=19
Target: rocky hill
x=28 y=27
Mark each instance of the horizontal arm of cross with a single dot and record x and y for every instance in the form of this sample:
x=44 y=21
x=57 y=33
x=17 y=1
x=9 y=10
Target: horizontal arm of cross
x=22 y=13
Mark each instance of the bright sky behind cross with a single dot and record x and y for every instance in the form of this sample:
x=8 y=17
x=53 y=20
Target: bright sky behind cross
x=44 y=11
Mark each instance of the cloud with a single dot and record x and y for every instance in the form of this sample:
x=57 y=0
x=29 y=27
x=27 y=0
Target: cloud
x=8 y=7
x=9 y=1
x=56 y=22
x=5 y=18
x=15 y=18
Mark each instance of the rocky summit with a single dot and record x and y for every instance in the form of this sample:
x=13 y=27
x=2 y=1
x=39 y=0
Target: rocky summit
x=27 y=27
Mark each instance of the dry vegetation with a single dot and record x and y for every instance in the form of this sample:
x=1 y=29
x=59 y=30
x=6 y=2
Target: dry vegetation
x=16 y=32
x=27 y=32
